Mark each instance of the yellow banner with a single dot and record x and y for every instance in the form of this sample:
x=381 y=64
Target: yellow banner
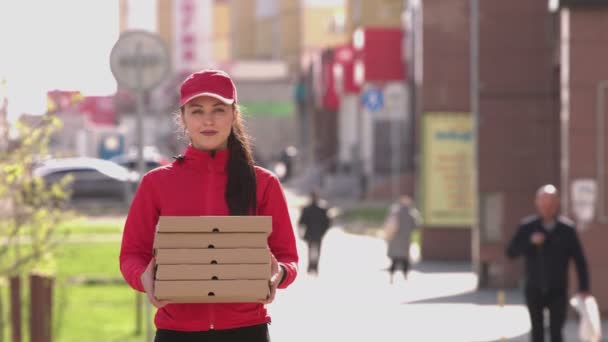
x=448 y=198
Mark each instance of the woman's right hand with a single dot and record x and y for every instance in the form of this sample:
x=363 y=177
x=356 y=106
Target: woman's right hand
x=147 y=281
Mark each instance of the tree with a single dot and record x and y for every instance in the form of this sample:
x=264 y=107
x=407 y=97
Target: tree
x=30 y=210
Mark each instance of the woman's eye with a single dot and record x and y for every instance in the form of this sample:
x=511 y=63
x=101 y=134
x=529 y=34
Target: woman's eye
x=197 y=112
x=219 y=110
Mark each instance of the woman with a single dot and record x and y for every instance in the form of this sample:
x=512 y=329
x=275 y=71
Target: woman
x=216 y=176
x=402 y=219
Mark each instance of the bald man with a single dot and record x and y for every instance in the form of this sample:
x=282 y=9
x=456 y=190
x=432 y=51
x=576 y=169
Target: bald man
x=548 y=242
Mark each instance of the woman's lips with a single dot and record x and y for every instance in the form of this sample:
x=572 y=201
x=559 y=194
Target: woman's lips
x=209 y=133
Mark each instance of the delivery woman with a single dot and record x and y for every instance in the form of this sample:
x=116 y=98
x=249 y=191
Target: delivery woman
x=216 y=176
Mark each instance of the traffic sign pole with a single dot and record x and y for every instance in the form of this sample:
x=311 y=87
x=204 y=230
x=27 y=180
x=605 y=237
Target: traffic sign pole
x=141 y=166
x=140 y=61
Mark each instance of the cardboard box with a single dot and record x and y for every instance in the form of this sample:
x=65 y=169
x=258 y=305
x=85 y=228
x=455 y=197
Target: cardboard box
x=212 y=259
x=213 y=272
x=210 y=240
x=211 y=291
x=218 y=224
x=187 y=256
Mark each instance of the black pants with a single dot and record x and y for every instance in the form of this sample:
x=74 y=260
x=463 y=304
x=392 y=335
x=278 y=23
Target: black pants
x=256 y=333
x=314 y=255
x=556 y=300
x=404 y=262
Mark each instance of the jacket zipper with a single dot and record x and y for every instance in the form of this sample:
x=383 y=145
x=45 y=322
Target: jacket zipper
x=210 y=312
x=208 y=202
x=541 y=262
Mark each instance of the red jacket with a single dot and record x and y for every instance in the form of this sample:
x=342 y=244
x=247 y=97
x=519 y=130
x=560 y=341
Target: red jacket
x=195 y=187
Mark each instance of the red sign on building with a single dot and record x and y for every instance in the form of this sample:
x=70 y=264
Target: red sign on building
x=344 y=62
x=324 y=81
x=378 y=55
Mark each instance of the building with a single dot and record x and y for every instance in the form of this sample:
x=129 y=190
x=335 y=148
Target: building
x=540 y=119
x=287 y=30
x=373 y=13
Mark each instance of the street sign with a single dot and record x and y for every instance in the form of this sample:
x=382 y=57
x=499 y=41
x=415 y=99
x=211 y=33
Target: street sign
x=395 y=100
x=139 y=60
x=372 y=99
x=584 y=195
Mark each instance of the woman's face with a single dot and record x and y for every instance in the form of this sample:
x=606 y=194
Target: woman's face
x=208 y=122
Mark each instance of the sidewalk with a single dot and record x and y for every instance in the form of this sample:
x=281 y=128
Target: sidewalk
x=351 y=298
x=515 y=322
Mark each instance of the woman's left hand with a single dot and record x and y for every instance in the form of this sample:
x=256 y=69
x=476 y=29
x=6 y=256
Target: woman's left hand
x=276 y=274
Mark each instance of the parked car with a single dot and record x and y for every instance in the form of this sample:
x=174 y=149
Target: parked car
x=92 y=177
x=152 y=158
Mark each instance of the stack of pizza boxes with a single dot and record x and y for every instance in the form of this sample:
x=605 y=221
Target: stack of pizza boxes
x=212 y=259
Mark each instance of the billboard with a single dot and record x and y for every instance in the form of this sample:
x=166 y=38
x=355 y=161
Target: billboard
x=448 y=198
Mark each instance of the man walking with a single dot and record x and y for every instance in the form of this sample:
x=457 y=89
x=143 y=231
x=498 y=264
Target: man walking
x=548 y=242
x=316 y=221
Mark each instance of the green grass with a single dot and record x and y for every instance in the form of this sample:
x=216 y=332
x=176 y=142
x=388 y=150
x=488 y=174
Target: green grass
x=85 y=312
x=79 y=226
x=92 y=312
x=95 y=313
x=369 y=215
x=92 y=226
x=91 y=259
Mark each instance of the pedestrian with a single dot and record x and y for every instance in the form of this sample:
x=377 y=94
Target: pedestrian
x=216 y=176
x=403 y=218
x=548 y=242
x=316 y=222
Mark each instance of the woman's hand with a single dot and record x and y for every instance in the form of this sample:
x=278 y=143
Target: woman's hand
x=147 y=281
x=276 y=274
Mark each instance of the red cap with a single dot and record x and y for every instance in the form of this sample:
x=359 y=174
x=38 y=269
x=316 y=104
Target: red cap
x=214 y=83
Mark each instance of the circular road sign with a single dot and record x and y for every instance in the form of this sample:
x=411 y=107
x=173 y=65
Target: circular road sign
x=139 y=60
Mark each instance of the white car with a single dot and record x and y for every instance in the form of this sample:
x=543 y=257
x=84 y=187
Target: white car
x=92 y=177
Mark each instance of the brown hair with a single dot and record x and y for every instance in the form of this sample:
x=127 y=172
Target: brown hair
x=240 y=194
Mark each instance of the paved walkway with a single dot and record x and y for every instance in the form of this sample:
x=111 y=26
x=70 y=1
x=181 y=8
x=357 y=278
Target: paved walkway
x=352 y=300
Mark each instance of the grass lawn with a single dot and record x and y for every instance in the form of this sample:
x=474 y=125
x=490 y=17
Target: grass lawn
x=92 y=226
x=96 y=312
x=88 y=259
x=370 y=215
x=84 y=311
x=99 y=312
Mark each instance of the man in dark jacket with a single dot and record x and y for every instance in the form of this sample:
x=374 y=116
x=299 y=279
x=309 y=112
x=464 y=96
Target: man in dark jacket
x=548 y=242
x=316 y=222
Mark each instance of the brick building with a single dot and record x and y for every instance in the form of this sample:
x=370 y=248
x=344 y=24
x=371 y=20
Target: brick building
x=542 y=88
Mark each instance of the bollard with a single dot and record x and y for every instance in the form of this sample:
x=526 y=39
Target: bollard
x=41 y=294
x=500 y=298
x=138 y=310
x=15 y=305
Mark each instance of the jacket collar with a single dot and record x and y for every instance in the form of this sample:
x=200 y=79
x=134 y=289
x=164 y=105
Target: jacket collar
x=207 y=161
